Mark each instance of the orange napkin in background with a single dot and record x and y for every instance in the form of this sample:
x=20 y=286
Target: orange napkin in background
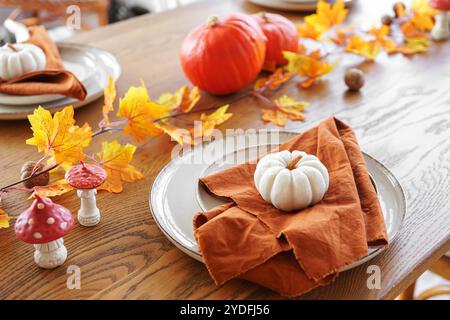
x=54 y=79
x=293 y=252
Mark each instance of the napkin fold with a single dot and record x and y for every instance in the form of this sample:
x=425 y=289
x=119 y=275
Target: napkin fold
x=293 y=252
x=54 y=79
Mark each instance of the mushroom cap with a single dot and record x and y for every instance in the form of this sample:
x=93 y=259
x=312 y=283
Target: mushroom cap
x=43 y=221
x=443 y=5
x=85 y=176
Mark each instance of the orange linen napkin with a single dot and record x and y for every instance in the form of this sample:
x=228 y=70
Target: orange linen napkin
x=293 y=252
x=52 y=80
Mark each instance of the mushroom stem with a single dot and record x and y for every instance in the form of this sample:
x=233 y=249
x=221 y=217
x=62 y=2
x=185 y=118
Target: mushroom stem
x=89 y=214
x=441 y=28
x=51 y=254
x=291 y=165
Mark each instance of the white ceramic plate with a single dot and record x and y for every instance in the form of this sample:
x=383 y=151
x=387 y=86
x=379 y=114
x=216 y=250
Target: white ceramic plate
x=176 y=195
x=290 y=5
x=91 y=65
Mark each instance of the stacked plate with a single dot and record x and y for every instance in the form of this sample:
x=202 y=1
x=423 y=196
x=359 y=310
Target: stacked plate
x=90 y=65
x=291 y=5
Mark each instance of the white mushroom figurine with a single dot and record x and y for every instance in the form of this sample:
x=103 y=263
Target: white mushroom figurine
x=44 y=224
x=86 y=178
x=20 y=58
x=291 y=180
x=441 y=29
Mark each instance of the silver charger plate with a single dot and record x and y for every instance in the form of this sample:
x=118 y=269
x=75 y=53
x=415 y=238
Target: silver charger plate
x=92 y=65
x=176 y=195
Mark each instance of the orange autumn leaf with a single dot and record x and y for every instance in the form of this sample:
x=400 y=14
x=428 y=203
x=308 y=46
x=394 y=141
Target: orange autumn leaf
x=422 y=22
x=342 y=34
x=274 y=115
x=182 y=100
x=109 y=98
x=139 y=110
x=359 y=46
x=381 y=37
x=273 y=81
x=59 y=137
x=4 y=219
x=307 y=66
x=307 y=31
x=217 y=117
x=409 y=30
x=115 y=159
x=56 y=188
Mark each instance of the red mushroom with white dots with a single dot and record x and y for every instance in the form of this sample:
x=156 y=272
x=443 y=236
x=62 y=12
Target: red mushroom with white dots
x=86 y=178
x=44 y=224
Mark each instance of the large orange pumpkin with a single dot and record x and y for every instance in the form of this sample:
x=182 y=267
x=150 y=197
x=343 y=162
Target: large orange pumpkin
x=281 y=36
x=224 y=56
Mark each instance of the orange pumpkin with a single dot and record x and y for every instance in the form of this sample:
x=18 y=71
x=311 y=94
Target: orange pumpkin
x=281 y=36
x=224 y=56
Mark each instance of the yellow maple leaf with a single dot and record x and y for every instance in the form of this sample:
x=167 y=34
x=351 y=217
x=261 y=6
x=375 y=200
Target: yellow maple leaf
x=309 y=66
x=326 y=16
x=139 y=110
x=274 y=80
x=56 y=188
x=381 y=37
x=59 y=137
x=4 y=219
x=367 y=49
x=274 y=115
x=409 y=30
x=412 y=46
x=115 y=159
x=422 y=22
x=292 y=107
x=217 y=117
x=110 y=97
x=423 y=7
x=182 y=100
x=180 y=135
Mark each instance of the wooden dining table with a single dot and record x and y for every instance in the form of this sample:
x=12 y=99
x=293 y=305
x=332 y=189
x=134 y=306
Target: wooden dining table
x=401 y=117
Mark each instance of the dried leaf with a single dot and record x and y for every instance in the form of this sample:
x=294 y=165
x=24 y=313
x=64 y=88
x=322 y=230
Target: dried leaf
x=59 y=137
x=110 y=97
x=180 y=135
x=217 y=117
x=308 y=31
x=422 y=22
x=409 y=30
x=292 y=107
x=183 y=100
x=4 y=219
x=381 y=37
x=307 y=66
x=56 y=188
x=412 y=46
x=274 y=115
x=367 y=49
x=116 y=159
x=273 y=81
x=137 y=107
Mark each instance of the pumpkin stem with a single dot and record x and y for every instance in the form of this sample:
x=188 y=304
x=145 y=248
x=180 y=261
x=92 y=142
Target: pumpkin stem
x=213 y=21
x=12 y=47
x=291 y=165
x=265 y=17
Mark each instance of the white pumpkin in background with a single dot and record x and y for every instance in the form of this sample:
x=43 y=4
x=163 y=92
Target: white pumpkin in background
x=19 y=58
x=291 y=180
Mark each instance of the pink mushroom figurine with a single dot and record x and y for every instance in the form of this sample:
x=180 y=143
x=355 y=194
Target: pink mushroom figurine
x=441 y=28
x=44 y=225
x=86 y=178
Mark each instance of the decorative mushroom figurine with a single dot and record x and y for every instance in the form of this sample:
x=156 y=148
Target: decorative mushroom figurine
x=441 y=28
x=291 y=180
x=44 y=224
x=86 y=178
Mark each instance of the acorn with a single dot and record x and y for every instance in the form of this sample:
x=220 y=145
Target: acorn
x=398 y=7
x=387 y=20
x=40 y=180
x=354 y=79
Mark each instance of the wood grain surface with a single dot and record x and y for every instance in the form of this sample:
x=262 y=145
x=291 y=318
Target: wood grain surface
x=401 y=117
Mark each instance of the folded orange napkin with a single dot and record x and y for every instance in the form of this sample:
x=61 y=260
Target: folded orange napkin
x=293 y=252
x=54 y=79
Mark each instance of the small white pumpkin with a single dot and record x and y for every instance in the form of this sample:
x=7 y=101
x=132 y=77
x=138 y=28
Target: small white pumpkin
x=17 y=59
x=291 y=181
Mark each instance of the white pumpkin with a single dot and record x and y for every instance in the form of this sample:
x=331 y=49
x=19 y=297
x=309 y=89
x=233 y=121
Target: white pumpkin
x=291 y=181
x=17 y=59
